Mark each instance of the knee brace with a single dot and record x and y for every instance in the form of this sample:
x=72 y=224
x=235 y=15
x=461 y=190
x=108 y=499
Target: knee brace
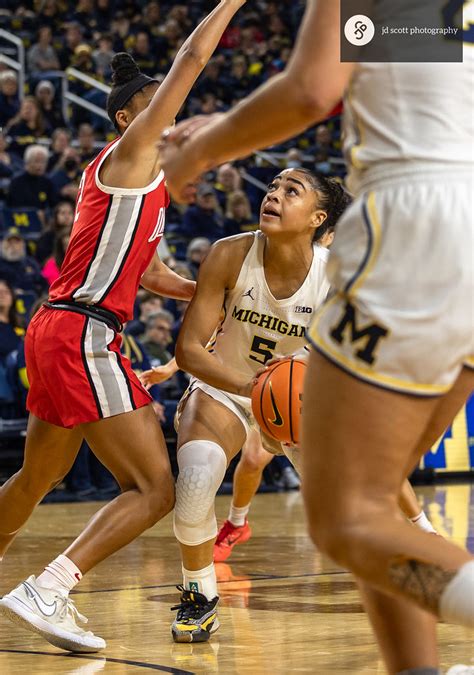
x=202 y=466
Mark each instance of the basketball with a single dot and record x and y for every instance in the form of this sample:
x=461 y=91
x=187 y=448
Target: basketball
x=276 y=400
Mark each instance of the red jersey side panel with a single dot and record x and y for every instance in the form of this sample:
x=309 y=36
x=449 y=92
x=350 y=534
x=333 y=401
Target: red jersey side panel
x=114 y=237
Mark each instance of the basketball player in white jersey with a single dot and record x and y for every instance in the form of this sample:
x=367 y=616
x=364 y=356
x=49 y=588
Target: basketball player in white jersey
x=393 y=349
x=254 y=298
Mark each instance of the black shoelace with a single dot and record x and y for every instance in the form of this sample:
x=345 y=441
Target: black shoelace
x=189 y=608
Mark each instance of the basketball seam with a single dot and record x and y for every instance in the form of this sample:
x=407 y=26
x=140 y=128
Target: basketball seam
x=261 y=402
x=290 y=401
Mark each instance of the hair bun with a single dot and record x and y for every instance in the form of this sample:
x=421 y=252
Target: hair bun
x=124 y=69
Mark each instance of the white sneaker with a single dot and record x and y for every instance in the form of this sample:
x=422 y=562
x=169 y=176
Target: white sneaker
x=460 y=669
x=50 y=614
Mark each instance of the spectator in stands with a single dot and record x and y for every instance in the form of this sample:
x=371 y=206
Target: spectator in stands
x=204 y=218
x=10 y=329
x=9 y=99
x=324 y=149
x=50 y=14
x=62 y=219
x=60 y=140
x=103 y=55
x=150 y=19
x=148 y=303
x=227 y=180
x=33 y=188
x=27 y=127
x=41 y=56
x=67 y=176
x=20 y=270
x=45 y=94
x=86 y=140
x=209 y=82
x=82 y=60
x=239 y=216
x=73 y=37
x=143 y=54
x=9 y=162
x=294 y=158
x=52 y=266
x=157 y=337
x=196 y=252
x=209 y=104
x=238 y=83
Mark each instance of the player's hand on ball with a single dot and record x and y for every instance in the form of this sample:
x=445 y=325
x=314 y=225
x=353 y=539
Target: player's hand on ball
x=267 y=365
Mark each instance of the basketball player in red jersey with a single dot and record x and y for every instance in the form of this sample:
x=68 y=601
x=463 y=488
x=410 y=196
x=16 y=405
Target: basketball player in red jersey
x=81 y=387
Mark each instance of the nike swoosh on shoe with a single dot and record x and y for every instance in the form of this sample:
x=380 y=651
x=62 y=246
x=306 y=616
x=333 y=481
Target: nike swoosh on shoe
x=43 y=606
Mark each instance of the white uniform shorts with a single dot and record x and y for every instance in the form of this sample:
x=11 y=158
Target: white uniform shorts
x=400 y=311
x=242 y=408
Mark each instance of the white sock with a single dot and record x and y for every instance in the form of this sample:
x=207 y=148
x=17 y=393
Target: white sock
x=61 y=575
x=237 y=514
x=422 y=522
x=456 y=604
x=203 y=581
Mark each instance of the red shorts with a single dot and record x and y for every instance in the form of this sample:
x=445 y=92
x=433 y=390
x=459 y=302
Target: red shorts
x=76 y=371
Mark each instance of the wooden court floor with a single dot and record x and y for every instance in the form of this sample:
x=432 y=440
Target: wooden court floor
x=284 y=608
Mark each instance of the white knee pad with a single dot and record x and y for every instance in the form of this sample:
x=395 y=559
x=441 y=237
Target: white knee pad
x=202 y=467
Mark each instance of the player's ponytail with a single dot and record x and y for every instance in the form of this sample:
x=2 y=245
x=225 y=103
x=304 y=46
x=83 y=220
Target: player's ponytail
x=332 y=198
x=127 y=80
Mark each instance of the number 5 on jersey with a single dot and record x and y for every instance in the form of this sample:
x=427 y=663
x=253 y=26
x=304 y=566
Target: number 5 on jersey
x=262 y=349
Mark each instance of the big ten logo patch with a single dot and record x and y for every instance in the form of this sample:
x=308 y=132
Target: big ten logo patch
x=159 y=227
x=366 y=338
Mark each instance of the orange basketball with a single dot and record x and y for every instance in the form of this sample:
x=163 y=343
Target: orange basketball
x=276 y=400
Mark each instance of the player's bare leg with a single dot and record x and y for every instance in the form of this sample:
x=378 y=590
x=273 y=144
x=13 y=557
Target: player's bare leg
x=247 y=478
x=205 y=450
x=352 y=505
x=249 y=470
x=132 y=447
x=50 y=452
x=410 y=505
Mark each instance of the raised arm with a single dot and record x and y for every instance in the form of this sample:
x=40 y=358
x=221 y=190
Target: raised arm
x=187 y=66
x=303 y=94
x=218 y=272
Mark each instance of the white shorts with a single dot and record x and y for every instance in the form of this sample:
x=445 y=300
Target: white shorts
x=400 y=313
x=242 y=408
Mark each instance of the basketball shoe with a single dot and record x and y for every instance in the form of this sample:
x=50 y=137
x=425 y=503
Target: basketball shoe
x=228 y=537
x=196 y=618
x=51 y=614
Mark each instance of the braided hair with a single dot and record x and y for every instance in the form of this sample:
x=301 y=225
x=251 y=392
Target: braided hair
x=332 y=198
x=127 y=80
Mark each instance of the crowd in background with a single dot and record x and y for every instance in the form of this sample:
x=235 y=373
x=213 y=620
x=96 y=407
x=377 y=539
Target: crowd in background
x=45 y=145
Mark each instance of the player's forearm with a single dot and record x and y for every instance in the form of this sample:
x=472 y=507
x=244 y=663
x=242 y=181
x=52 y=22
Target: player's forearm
x=197 y=361
x=202 y=42
x=169 y=284
x=282 y=108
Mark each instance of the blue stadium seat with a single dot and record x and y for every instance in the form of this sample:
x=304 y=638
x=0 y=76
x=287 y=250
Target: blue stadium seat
x=26 y=219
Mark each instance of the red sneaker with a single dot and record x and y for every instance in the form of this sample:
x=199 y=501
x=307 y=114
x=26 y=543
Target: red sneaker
x=230 y=535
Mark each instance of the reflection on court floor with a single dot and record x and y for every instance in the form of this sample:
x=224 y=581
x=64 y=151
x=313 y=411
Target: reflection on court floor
x=284 y=608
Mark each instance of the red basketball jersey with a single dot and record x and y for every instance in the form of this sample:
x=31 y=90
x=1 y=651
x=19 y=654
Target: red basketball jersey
x=113 y=240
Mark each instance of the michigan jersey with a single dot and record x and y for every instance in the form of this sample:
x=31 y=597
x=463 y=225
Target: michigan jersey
x=257 y=326
x=410 y=113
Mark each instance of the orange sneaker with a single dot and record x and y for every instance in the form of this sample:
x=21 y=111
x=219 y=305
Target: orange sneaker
x=230 y=535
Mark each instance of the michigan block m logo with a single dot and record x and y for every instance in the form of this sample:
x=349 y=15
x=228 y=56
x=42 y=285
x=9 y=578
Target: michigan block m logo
x=367 y=336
